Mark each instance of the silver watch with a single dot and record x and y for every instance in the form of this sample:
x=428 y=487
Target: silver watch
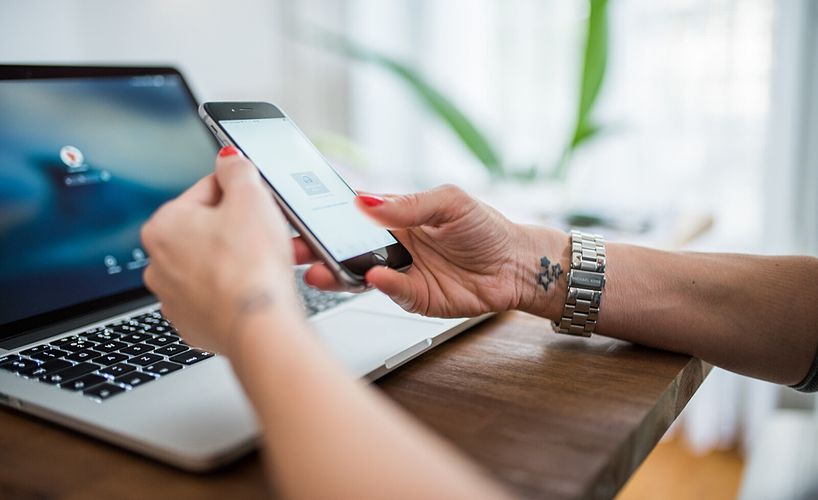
x=586 y=282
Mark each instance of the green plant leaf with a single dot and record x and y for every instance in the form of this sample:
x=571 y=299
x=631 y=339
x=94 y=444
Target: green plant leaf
x=583 y=133
x=595 y=62
x=594 y=67
x=468 y=133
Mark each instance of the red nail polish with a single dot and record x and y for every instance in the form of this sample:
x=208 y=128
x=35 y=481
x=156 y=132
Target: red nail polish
x=371 y=200
x=228 y=151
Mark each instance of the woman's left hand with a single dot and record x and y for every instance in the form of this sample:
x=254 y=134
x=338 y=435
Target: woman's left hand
x=219 y=251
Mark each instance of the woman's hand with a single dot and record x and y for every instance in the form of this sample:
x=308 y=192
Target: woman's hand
x=219 y=252
x=468 y=258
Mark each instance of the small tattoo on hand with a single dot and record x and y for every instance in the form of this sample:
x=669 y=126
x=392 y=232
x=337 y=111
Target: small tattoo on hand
x=549 y=274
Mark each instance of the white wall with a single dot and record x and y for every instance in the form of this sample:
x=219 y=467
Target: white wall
x=791 y=183
x=238 y=50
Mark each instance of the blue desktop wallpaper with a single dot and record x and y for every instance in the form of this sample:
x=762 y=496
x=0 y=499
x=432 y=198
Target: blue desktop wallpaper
x=83 y=163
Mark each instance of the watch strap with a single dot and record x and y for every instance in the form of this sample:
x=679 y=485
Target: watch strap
x=586 y=282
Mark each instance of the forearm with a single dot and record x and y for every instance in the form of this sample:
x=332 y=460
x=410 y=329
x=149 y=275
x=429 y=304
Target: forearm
x=749 y=314
x=327 y=435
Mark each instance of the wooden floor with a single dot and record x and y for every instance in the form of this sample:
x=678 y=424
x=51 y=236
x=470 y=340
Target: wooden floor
x=673 y=472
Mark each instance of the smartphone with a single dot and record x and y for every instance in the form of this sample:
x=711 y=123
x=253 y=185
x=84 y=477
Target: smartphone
x=315 y=199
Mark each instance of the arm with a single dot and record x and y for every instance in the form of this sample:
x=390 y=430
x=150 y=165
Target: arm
x=320 y=423
x=749 y=314
x=325 y=434
x=754 y=315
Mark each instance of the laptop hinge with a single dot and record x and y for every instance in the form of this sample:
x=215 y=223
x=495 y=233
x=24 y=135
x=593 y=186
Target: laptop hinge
x=53 y=329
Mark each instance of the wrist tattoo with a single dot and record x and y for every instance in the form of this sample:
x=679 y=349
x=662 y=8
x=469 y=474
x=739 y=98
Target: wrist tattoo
x=250 y=303
x=254 y=302
x=549 y=274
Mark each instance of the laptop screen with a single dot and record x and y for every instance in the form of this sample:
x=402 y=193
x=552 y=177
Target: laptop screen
x=84 y=161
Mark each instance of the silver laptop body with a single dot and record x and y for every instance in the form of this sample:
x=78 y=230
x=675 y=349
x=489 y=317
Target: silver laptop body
x=111 y=366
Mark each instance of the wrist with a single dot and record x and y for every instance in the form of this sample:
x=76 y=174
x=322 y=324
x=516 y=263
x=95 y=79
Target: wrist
x=261 y=313
x=543 y=260
x=273 y=350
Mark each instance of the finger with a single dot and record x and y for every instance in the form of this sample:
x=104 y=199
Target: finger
x=150 y=278
x=159 y=230
x=397 y=285
x=434 y=207
x=237 y=178
x=319 y=276
x=302 y=252
x=157 y=282
x=205 y=192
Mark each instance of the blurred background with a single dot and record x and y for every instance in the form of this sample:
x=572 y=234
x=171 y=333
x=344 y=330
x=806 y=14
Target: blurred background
x=687 y=124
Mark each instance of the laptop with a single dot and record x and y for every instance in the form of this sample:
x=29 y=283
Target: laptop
x=86 y=155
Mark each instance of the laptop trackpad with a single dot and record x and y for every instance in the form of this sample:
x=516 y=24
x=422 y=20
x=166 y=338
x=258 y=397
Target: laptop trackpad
x=364 y=340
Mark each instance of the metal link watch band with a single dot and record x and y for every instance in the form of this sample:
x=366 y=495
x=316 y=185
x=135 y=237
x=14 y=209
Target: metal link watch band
x=586 y=281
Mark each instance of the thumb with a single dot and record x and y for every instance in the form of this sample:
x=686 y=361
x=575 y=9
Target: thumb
x=236 y=175
x=430 y=208
x=397 y=285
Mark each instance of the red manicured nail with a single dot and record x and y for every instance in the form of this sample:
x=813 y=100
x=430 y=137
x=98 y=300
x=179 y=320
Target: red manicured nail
x=371 y=200
x=228 y=151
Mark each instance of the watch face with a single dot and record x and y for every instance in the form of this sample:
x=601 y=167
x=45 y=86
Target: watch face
x=586 y=279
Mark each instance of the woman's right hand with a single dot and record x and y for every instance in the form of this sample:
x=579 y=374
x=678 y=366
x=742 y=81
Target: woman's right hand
x=468 y=258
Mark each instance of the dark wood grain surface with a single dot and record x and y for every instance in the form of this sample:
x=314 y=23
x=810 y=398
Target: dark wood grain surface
x=549 y=416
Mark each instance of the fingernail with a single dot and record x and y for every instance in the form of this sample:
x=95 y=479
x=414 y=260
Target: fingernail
x=228 y=151
x=371 y=200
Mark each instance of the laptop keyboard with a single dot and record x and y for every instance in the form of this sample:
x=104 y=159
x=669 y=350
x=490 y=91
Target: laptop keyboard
x=316 y=301
x=104 y=361
x=121 y=356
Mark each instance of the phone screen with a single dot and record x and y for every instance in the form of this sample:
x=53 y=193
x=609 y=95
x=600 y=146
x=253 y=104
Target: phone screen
x=309 y=185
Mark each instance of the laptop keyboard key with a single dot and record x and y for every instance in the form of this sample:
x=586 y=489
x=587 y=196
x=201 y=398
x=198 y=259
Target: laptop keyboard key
x=49 y=354
x=135 y=338
x=135 y=379
x=84 y=382
x=20 y=365
x=8 y=358
x=192 y=356
x=172 y=349
x=111 y=358
x=85 y=355
x=35 y=349
x=145 y=359
x=102 y=337
x=65 y=340
x=161 y=340
x=117 y=370
x=77 y=345
x=103 y=391
x=162 y=368
x=32 y=371
x=137 y=349
x=110 y=346
x=48 y=368
x=75 y=371
x=148 y=327
x=126 y=330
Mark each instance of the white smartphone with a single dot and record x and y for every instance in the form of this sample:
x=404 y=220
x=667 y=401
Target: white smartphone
x=314 y=198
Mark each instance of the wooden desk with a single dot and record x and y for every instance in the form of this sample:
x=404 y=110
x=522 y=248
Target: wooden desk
x=549 y=416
